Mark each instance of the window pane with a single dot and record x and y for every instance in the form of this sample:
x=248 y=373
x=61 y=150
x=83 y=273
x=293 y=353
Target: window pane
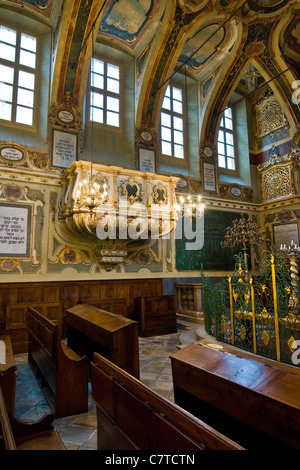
x=24 y=115
x=168 y=90
x=221 y=148
x=113 y=104
x=27 y=58
x=166 y=103
x=6 y=92
x=231 y=164
x=177 y=94
x=97 y=81
x=177 y=107
x=5 y=111
x=7 y=52
x=113 y=71
x=178 y=123
x=228 y=123
x=165 y=119
x=178 y=137
x=26 y=80
x=222 y=161
x=96 y=99
x=112 y=119
x=230 y=150
x=229 y=138
x=97 y=66
x=166 y=148
x=6 y=74
x=25 y=97
x=28 y=42
x=166 y=134
x=222 y=122
x=113 y=85
x=96 y=115
x=221 y=136
x=228 y=113
x=178 y=151
x=8 y=35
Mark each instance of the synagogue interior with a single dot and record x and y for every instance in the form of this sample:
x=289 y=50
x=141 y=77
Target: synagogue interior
x=149 y=225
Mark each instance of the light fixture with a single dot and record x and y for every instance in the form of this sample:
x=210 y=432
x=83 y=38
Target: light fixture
x=189 y=205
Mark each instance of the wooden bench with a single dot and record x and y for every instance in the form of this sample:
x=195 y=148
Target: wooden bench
x=23 y=435
x=113 y=305
x=62 y=374
x=90 y=329
x=16 y=321
x=8 y=371
x=253 y=400
x=131 y=416
x=156 y=315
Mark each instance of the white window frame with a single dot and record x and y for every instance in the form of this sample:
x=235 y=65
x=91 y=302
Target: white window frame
x=226 y=147
x=106 y=94
x=14 y=84
x=173 y=135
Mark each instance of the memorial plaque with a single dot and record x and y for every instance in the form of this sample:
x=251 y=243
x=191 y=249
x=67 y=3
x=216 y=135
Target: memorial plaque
x=15 y=231
x=64 y=149
x=146 y=160
x=209 y=177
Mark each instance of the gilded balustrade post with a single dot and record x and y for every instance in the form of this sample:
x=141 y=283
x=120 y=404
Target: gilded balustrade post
x=231 y=309
x=253 y=314
x=276 y=321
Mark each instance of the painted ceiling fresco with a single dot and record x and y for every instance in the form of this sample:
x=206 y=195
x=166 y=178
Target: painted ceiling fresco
x=128 y=20
x=166 y=35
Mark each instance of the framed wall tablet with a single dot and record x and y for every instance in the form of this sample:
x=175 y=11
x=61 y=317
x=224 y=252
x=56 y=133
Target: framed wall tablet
x=209 y=176
x=146 y=160
x=15 y=231
x=285 y=234
x=64 y=148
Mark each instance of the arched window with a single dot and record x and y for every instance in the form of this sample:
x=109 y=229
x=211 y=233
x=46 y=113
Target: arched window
x=226 y=149
x=172 y=123
x=104 y=93
x=18 y=65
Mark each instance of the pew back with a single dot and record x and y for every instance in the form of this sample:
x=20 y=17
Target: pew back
x=132 y=416
x=156 y=315
x=56 y=366
x=22 y=435
x=8 y=371
x=16 y=320
x=113 y=305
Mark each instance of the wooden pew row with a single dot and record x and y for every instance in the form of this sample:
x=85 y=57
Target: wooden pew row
x=113 y=305
x=156 y=315
x=23 y=435
x=16 y=321
x=75 y=291
x=253 y=400
x=131 y=416
x=8 y=372
x=90 y=329
x=63 y=375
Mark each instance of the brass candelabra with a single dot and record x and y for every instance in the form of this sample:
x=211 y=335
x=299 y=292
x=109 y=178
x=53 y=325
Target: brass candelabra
x=243 y=233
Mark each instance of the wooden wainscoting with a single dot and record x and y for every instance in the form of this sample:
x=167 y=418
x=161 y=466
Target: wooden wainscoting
x=70 y=293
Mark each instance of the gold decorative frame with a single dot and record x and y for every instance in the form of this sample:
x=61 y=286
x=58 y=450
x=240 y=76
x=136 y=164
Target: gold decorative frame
x=277 y=181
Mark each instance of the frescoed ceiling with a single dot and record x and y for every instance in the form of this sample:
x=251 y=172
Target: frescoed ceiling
x=162 y=35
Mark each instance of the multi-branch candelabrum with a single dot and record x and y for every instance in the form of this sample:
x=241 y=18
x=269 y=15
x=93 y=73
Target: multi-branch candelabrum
x=243 y=233
x=293 y=253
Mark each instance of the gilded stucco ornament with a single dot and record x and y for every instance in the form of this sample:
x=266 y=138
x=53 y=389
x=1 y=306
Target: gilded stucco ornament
x=123 y=219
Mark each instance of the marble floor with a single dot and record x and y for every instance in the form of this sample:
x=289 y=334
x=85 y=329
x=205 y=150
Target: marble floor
x=78 y=432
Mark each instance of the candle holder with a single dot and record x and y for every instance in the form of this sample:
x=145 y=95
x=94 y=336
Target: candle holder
x=293 y=253
x=243 y=233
